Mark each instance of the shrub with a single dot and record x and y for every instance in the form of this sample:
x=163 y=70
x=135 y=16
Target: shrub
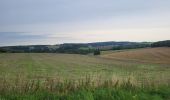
x=97 y=52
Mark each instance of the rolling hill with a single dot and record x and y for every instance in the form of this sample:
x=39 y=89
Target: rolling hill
x=153 y=55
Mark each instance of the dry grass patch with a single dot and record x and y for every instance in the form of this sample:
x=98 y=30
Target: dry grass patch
x=153 y=55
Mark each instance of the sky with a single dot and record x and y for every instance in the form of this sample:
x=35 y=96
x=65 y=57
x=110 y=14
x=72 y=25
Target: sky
x=31 y=22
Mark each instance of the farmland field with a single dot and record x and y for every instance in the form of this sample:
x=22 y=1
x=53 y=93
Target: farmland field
x=151 y=55
x=141 y=65
x=151 y=63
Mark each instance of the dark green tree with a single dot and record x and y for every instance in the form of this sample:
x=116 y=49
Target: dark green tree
x=96 y=52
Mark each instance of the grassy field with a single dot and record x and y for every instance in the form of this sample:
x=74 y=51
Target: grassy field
x=139 y=66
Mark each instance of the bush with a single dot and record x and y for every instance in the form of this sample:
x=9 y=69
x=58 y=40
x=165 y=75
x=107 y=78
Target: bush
x=97 y=52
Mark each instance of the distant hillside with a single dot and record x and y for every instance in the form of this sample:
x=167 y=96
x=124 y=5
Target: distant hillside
x=29 y=48
x=161 y=44
x=79 y=48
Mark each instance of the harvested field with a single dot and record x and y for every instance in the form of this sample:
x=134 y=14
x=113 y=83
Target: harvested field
x=152 y=55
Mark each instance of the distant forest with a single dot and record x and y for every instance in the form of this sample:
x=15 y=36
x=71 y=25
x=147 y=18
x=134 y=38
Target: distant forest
x=161 y=44
x=82 y=48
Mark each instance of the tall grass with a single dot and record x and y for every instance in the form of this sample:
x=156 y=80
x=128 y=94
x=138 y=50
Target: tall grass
x=88 y=88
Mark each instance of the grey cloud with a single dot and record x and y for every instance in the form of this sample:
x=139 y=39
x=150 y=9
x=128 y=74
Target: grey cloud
x=57 y=11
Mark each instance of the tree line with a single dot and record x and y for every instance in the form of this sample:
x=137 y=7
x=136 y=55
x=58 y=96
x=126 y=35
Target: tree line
x=161 y=44
x=79 y=48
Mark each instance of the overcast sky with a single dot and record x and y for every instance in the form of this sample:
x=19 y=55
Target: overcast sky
x=25 y=22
